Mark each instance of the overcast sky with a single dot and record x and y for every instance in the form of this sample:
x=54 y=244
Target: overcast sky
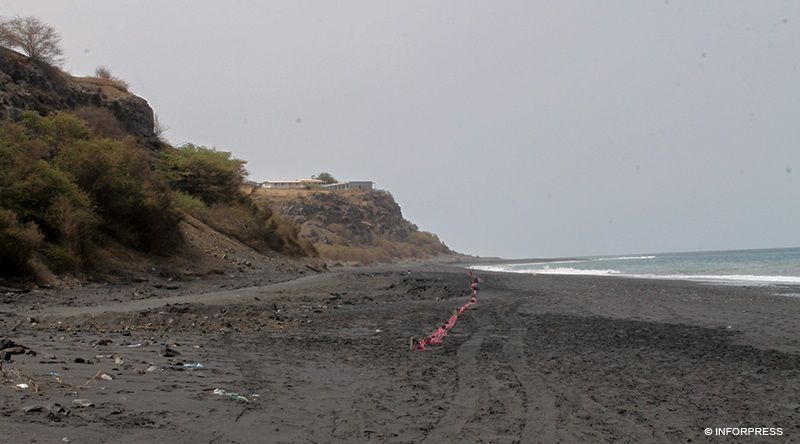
x=510 y=128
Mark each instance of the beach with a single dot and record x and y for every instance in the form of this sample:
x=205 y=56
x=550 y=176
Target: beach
x=325 y=357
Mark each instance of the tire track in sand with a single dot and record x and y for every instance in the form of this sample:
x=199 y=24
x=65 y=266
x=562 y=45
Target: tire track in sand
x=539 y=402
x=462 y=408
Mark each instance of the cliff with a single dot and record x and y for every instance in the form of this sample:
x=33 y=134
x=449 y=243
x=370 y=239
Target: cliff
x=87 y=189
x=359 y=226
x=26 y=85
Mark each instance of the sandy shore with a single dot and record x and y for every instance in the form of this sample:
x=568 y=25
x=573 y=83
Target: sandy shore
x=326 y=359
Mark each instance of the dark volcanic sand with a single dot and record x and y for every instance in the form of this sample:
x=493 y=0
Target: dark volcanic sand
x=539 y=359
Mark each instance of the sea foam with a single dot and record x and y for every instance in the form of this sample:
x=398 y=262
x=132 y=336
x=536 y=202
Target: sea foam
x=725 y=278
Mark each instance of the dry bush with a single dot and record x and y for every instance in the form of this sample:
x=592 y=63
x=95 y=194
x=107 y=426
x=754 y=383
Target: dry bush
x=101 y=72
x=256 y=227
x=101 y=121
x=40 y=41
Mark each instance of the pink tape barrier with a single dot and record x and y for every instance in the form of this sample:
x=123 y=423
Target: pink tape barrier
x=437 y=337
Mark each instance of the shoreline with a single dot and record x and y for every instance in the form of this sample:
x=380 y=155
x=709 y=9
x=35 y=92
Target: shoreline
x=540 y=358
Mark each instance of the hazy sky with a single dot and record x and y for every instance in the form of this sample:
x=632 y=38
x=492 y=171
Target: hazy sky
x=511 y=128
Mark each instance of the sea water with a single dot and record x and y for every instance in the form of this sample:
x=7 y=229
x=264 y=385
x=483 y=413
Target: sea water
x=746 y=267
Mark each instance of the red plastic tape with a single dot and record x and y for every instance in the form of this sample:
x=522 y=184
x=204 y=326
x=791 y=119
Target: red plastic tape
x=438 y=335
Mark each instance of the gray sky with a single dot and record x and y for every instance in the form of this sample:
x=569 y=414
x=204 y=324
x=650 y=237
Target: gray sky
x=513 y=128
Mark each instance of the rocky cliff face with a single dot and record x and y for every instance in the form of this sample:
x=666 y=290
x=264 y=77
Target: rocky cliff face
x=361 y=217
x=354 y=226
x=31 y=86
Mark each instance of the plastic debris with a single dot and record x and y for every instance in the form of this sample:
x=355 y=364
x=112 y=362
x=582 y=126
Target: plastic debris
x=437 y=337
x=230 y=395
x=22 y=386
x=195 y=365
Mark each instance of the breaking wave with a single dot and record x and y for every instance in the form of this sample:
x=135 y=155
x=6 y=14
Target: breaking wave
x=721 y=278
x=624 y=258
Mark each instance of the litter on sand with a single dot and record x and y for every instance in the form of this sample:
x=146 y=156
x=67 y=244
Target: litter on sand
x=195 y=365
x=230 y=395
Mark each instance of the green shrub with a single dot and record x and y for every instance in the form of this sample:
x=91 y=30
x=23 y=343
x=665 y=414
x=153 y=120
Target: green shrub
x=191 y=205
x=56 y=130
x=61 y=260
x=134 y=203
x=31 y=186
x=210 y=175
x=18 y=243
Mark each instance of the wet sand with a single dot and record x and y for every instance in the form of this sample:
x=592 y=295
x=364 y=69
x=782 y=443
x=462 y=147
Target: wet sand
x=326 y=359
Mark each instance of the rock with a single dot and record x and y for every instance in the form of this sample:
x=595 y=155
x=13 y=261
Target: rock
x=151 y=369
x=28 y=86
x=82 y=402
x=5 y=354
x=82 y=361
x=168 y=352
x=32 y=408
x=106 y=376
x=104 y=341
x=57 y=409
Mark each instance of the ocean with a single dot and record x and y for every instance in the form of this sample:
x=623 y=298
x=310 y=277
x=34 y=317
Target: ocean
x=743 y=267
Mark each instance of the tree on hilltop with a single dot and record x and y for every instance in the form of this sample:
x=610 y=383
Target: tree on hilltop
x=325 y=177
x=38 y=40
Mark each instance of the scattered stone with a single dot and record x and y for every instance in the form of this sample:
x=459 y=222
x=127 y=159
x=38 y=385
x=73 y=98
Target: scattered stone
x=168 y=352
x=151 y=369
x=32 y=408
x=82 y=402
x=118 y=360
x=107 y=377
x=57 y=409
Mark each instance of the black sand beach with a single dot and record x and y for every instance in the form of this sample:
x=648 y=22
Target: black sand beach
x=326 y=359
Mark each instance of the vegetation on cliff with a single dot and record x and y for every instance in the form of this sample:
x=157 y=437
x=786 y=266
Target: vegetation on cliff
x=84 y=175
x=353 y=226
x=66 y=192
x=77 y=191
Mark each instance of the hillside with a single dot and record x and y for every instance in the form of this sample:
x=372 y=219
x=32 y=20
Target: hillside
x=88 y=190
x=360 y=226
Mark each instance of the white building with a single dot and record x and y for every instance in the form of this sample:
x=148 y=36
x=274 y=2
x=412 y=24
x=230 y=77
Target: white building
x=289 y=184
x=351 y=185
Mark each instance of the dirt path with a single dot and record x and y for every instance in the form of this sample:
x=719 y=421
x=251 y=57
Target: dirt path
x=239 y=295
